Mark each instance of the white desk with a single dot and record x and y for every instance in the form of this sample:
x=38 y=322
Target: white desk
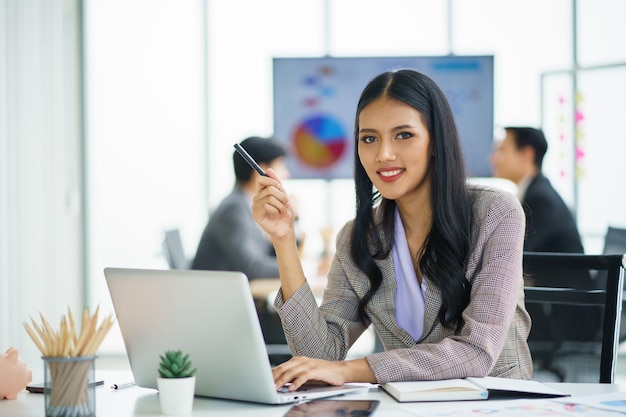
x=136 y=401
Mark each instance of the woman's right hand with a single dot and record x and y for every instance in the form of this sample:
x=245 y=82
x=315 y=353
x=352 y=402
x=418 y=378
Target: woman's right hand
x=271 y=208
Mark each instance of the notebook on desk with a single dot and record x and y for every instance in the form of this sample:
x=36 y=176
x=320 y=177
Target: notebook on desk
x=208 y=314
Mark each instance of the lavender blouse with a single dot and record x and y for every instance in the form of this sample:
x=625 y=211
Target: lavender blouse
x=409 y=294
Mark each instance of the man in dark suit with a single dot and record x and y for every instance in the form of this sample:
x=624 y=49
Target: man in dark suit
x=550 y=226
x=232 y=241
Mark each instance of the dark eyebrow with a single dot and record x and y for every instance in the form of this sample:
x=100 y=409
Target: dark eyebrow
x=394 y=129
x=402 y=127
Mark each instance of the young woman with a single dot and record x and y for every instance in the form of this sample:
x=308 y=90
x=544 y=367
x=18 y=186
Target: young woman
x=434 y=264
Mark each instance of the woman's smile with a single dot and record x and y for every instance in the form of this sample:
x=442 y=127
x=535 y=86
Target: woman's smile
x=390 y=174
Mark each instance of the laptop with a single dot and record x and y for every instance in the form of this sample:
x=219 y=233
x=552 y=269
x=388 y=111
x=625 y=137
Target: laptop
x=208 y=314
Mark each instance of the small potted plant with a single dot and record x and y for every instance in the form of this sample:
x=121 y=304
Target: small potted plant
x=176 y=383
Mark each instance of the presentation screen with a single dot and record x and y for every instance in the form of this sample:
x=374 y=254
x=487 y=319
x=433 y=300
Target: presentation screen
x=315 y=103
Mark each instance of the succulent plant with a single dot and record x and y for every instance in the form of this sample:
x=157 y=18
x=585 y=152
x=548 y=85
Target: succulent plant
x=175 y=365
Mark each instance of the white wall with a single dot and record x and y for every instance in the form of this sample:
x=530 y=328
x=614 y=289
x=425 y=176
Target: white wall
x=145 y=138
x=41 y=246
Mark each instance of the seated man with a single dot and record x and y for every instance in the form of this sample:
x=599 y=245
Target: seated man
x=232 y=241
x=550 y=226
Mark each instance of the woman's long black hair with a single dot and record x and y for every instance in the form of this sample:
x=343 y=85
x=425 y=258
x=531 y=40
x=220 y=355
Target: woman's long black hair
x=448 y=244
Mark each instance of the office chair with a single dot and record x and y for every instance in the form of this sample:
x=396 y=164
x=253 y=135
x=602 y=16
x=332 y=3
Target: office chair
x=173 y=249
x=574 y=334
x=614 y=241
x=615 y=244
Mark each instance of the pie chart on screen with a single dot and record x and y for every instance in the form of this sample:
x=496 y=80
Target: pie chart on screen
x=319 y=141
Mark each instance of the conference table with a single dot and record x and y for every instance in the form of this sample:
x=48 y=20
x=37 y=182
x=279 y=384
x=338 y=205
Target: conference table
x=137 y=401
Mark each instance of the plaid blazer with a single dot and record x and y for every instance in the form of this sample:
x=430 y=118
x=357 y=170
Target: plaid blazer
x=492 y=341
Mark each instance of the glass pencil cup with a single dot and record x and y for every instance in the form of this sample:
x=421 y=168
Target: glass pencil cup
x=69 y=386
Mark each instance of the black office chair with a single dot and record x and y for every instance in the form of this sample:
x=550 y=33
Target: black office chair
x=614 y=241
x=574 y=335
x=615 y=244
x=173 y=250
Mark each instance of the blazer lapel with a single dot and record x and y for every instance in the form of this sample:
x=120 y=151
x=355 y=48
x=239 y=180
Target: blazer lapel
x=387 y=313
x=432 y=302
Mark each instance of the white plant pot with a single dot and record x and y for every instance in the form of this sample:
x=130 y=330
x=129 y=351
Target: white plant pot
x=176 y=395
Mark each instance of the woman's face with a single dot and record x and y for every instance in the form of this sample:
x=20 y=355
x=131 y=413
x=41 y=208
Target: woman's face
x=394 y=148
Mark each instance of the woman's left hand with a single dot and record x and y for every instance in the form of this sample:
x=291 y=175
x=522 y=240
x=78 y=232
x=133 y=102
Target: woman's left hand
x=301 y=370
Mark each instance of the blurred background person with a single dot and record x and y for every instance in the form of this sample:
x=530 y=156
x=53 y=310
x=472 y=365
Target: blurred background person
x=231 y=240
x=550 y=225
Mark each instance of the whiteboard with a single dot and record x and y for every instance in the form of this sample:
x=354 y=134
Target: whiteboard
x=315 y=101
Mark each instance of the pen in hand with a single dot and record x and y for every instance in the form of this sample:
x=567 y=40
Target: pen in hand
x=249 y=159
x=120 y=386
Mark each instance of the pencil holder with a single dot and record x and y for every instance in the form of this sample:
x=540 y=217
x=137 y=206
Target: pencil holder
x=69 y=387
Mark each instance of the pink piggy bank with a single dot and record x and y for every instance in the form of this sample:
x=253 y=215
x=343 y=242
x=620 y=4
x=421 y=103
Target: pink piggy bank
x=14 y=375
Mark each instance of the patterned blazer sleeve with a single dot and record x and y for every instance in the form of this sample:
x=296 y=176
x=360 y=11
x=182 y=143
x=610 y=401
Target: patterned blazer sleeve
x=325 y=332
